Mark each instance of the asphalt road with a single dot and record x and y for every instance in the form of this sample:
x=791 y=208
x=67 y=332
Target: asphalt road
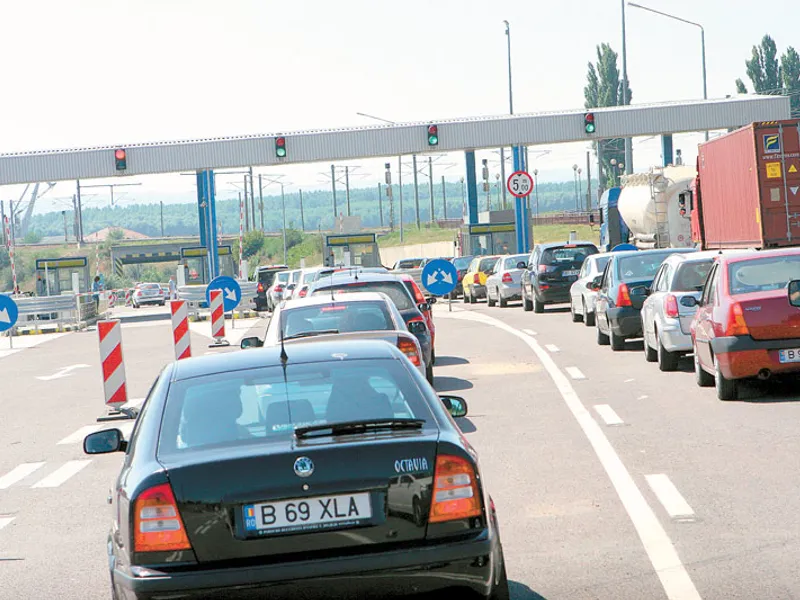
x=612 y=480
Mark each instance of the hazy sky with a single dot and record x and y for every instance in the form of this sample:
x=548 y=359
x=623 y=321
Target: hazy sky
x=88 y=72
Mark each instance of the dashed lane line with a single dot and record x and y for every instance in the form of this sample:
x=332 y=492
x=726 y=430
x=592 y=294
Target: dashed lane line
x=19 y=473
x=62 y=474
x=529 y=332
x=5 y=521
x=669 y=496
x=78 y=435
x=575 y=372
x=657 y=544
x=552 y=347
x=608 y=415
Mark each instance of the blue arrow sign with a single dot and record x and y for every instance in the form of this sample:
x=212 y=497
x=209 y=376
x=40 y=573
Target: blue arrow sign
x=440 y=277
x=8 y=312
x=623 y=248
x=231 y=292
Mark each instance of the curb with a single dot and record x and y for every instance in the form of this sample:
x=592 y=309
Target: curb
x=247 y=314
x=43 y=330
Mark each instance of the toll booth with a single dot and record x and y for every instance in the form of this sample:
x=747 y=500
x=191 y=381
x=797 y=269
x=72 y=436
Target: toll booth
x=350 y=250
x=485 y=239
x=195 y=264
x=54 y=276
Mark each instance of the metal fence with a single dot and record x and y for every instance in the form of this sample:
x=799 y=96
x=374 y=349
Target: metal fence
x=195 y=296
x=568 y=218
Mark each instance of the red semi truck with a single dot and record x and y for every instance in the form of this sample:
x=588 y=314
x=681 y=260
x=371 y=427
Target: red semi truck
x=747 y=190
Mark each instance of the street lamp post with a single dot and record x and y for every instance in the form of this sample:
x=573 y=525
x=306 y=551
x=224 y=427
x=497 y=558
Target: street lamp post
x=702 y=42
x=536 y=188
x=575 y=183
x=628 y=141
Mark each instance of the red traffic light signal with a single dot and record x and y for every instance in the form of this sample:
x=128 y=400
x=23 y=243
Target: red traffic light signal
x=120 y=159
x=280 y=147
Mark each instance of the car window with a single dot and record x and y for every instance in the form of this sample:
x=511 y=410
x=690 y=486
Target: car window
x=690 y=276
x=606 y=281
x=462 y=262
x=600 y=263
x=295 y=276
x=266 y=278
x=283 y=277
x=248 y=407
x=763 y=274
x=343 y=317
x=640 y=266
x=487 y=263
x=566 y=256
x=511 y=261
x=394 y=289
x=711 y=287
x=410 y=263
x=151 y=286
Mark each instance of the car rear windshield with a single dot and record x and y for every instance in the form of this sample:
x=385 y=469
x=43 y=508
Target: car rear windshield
x=394 y=289
x=412 y=263
x=296 y=276
x=512 y=261
x=151 y=286
x=266 y=277
x=249 y=407
x=343 y=316
x=641 y=265
x=283 y=277
x=601 y=262
x=487 y=263
x=568 y=255
x=462 y=262
x=763 y=274
x=691 y=276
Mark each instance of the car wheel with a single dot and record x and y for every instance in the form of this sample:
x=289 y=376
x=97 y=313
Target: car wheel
x=433 y=356
x=602 y=338
x=503 y=302
x=650 y=355
x=588 y=317
x=617 y=342
x=472 y=298
x=161 y=303
x=429 y=373
x=538 y=307
x=576 y=318
x=465 y=297
x=701 y=377
x=727 y=389
x=417 y=510
x=527 y=305
x=489 y=300
x=500 y=591
x=667 y=361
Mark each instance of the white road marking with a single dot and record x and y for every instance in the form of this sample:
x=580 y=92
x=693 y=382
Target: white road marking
x=62 y=474
x=78 y=435
x=669 y=496
x=574 y=372
x=628 y=380
x=530 y=332
x=18 y=473
x=642 y=398
x=552 y=347
x=657 y=544
x=608 y=415
x=5 y=521
x=65 y=372
x=23 y=342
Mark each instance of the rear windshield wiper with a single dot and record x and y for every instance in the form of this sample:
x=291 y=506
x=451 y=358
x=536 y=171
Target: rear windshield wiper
x=303 y=334
x=359 y=426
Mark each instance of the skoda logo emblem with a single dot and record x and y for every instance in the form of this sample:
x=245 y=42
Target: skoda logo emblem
x=303 y=467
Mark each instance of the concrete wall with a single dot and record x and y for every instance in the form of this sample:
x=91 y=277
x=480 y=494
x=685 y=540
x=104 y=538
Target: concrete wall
x=389 y=256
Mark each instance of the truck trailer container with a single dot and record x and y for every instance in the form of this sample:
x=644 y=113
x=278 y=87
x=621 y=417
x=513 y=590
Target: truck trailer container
x=747 y=190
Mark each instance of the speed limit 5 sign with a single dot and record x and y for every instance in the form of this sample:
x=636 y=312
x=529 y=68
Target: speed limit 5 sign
x=520 y=184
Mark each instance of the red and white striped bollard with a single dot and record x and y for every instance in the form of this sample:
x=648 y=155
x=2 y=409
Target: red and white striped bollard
x=180 y=329
x=114 y=382
x=217 y=306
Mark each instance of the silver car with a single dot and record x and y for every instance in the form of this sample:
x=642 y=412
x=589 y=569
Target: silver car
x=666 y=315
x=581 y=298
x=277 y=290
x=504 y=282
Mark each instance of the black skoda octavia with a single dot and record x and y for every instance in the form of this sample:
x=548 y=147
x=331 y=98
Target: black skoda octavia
x=332 y=472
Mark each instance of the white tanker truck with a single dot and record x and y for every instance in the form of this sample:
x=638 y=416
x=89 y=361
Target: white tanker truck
x=655 y=207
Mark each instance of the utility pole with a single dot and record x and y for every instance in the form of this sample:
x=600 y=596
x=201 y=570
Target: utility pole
x=380 y=203
x=444 y=198
x=247 y=207
x=3 y=222
x=347 y=188
x=400 y=189
x=162 y=218
x=628 y=141
x=253 y=200
x=66 y=234
x=302 y=216
x=588 y=182
x=416 y=187
x=261 y=200
x=430 y=188
x=80 y=213
x=283 y=207
x=503 y=170
x=333 y=186
x=486 y=185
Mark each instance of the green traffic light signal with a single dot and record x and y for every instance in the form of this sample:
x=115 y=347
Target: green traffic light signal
x=281 y=152
x=433 y=135
x=590 y=128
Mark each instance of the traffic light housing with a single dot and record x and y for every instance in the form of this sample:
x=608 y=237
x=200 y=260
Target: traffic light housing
x=121 y=159
x=280 y=147
x=588 y=123
x=433 y=135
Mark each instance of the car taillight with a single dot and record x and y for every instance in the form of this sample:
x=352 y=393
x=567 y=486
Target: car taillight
x=623 y=295
x=409 y=348
x=736 y=324
x=455 y=490
x=476 y=279
x=418 y=294
x=671 y=306
x=460 y=275
x=157 y=524
x=542 y=268
x=260 y=288
x=303 y=292
x=278 y=288
x=507 y=278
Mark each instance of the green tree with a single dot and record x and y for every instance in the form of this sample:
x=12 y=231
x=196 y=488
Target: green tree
x=253 y=243
x=32 y=237
x=605 y=88
x=790 y=69
x=741 y=88
x=763 y=67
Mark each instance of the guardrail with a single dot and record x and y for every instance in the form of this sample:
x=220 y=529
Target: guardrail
x=38 y=312
x=195 y=296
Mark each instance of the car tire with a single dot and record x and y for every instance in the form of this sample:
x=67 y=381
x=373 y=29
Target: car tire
x=527 y=305
x=429 y=373
x=419 y=519
x=489 y=301
x=502 y=301
x=588 y=317
x=667 y=361
x=701 y=377
x=538 y=307
x=576 y=318
x=617 y=342
x=433 y=356
x=465 y=297
x=650 y=355
x=472 y=298
x=501 y=591
x=162 y=303
x=602 y=338
x=727 y=389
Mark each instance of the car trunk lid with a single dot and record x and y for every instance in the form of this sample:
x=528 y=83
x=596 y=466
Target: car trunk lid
x=637 y=291
x=769 y=316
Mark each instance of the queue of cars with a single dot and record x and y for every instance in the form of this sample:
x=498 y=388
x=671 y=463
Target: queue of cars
x=320 y=462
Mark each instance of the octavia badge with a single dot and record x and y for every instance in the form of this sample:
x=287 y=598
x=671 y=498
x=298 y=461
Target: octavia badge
x=303 y=467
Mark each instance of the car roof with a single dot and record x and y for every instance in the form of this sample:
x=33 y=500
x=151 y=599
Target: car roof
x=649 y=251
x=350 y=277
x=268 y=356
x=335 y=297
x=701 y=256
x=549 y=245
x=744 y=255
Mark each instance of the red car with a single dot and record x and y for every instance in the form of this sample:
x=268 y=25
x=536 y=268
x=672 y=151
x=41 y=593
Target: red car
x=746 y=325
x=427 y=311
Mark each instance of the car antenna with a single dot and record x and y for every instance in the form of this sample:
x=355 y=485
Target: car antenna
x=284 y=356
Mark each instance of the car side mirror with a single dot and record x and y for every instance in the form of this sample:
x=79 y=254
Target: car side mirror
x=595 y=283
x=648 y=290
x=104 y=442
x=455 y=405
x=417 y=327
x=522 y=265
x=423 y=306
x=689 y=301
x=251 y=342
x=432 y=300
x=794 y=292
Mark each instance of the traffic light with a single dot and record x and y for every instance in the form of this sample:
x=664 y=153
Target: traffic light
x=280 y=147
x=433 y=135
x=121 y=159
x=588 y=123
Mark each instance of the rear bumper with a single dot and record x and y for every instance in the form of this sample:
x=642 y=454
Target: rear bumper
x=150 y=300
x=510 y=291
x=625 y=322
x=742 y=356
x=553 y=294
x=477 y=290
x=466 y=564
x=672 y=337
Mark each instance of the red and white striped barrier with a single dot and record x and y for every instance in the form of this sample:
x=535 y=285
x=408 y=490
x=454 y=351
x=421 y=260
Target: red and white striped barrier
x=180 y=329
x=217 y=315
x=10 y=247
x=114 y=385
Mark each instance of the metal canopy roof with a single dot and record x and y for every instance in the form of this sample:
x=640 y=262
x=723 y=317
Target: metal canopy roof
x=391 y=140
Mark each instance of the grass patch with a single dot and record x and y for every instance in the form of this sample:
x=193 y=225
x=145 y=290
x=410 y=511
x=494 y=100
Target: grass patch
x=559 y=233
x=412 y=236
